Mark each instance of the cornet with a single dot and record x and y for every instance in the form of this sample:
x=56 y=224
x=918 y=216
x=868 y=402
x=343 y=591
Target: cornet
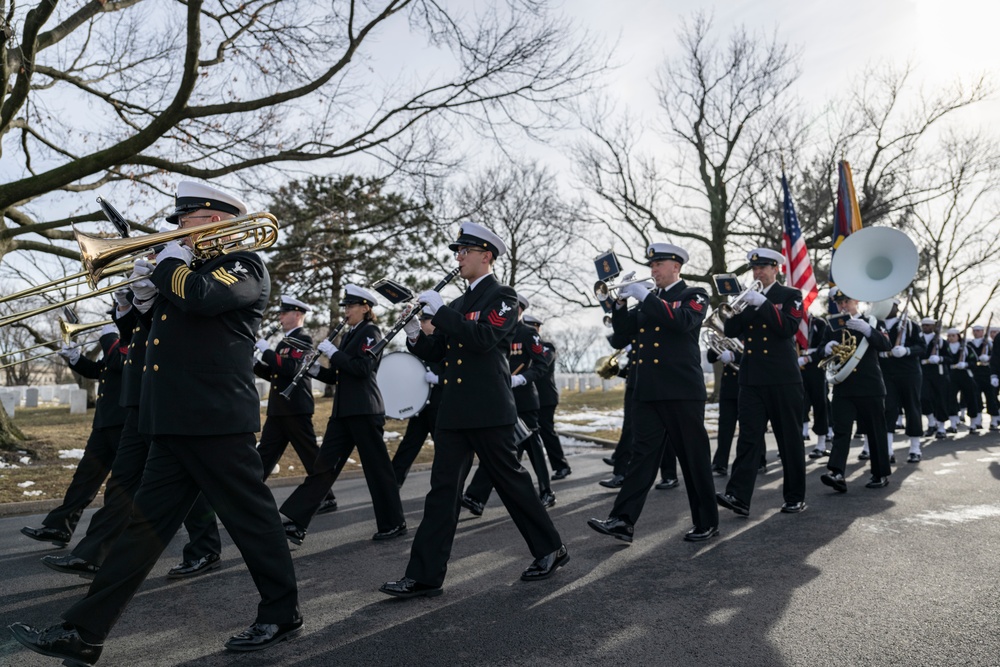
x=602 y=290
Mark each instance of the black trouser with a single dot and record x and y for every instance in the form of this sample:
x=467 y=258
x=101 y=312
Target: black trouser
x=453 y=451
x=728 y=411
x=683 y=424
x=964 y=392
x=869 y=411
x=989 y=391
x=126 y=474
x=815 y=388
x=98 y=455
x=623 y=452
x=417 y=429
x=934 y=392
x=342 y=435
x=481 y=486
x=903 y=393
x=781 y=404
x=227 y=469
x=550 y=439
x=278 y=431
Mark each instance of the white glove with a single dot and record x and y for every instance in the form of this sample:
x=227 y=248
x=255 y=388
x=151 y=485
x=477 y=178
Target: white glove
x=628 y=276
x=327 y=348
x=637 y=291
x=142 y=268
x=803 y=360
x=174 y=250
x=121 y=299
x=727 y=357
x=412 y=328
x=70 y=353
x=432 y=301
x=517 y=380
x=262 y=345
x=314 y=369
x=934 y=359
x=431 y=378
x=828 y=350
x=144 y=290
x=994 y=381
x=754 y=298
x=984 y=358
x=859 y=325
x=109 y=329
x=962 y=365
x=899 y=351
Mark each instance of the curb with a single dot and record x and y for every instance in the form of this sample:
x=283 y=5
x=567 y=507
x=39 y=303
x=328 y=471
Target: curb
x=607 y=444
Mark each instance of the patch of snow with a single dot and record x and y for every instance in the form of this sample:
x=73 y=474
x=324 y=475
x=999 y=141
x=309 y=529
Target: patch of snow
x=71 y=453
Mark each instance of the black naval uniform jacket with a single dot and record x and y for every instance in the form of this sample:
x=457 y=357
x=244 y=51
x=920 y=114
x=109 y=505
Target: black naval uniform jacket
x=729 y=384
x=768 y=335
x=134 y=331
x=980 y=371
x=548 y=392
x=107 y=371
x=666 y=325
x=933 y=345
x=908 y=367
x=472 y=337
x=279 y=366
x=527 y=357
x=198 y=371
x=352 y=371
x=866 y=378
x=817 y=334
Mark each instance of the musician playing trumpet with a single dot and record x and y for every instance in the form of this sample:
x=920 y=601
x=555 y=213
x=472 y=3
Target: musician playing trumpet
x=860 y=397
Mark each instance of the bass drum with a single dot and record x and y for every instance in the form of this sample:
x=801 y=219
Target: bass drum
x=400 y=378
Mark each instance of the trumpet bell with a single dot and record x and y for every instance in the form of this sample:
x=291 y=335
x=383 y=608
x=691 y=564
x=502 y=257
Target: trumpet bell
x=874 y=263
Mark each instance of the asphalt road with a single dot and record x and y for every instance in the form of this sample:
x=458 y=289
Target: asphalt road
x=906 y=575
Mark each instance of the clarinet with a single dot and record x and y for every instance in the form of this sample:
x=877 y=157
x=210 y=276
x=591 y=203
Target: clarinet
x=308 y=358
x=377 y=348
x=270 y=331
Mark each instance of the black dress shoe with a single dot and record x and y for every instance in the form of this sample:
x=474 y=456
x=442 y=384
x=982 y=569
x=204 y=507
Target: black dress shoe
x=670 y=483
x=864 y=456
x=700 y=534
x=473 y=505
x=58 y=641
x=892 y=459
x=793 y=508
x=260 y=636
x=562 y=473
x=408 y=588
x=914 y=457
x=70 y=564
x=720 y=471
x=192 y=568
x=60 y=538
x=951 y=429
x=614 y=527
x=398 y=531
x=610 y=460
x=614 y=483
x=732 y=503
x=877 y=482
x=327 y=506
x=762 y=468
x=294 y=533
x=940 y=435
x=544 y=567
x=834 y=480
x=929 y=432
x=548 y=499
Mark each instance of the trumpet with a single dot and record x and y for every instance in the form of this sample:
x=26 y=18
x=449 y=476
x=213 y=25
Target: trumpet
x=602 y=290
x=101 y=257
x=737 y=304
x=608 y=366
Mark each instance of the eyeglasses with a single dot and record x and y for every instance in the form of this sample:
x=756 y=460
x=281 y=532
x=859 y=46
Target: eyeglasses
x=462 y=252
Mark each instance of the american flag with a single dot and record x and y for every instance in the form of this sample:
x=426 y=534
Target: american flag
x=797 y=265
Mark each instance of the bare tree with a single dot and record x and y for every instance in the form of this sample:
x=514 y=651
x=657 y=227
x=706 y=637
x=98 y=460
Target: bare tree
x=576 y=346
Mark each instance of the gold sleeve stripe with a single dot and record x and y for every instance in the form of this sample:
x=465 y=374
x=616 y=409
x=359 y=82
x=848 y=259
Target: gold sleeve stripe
x=177 y=281
x=224 y=277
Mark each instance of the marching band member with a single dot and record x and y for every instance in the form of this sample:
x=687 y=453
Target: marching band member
x=472 y=337
x=729 y=394
x=860 y=397
x=980 y=346
x=669 y=395
x=816 y=388
x=622 y=456
x=958 y=359
x=770 y=387
x=357 y=420
x=901 y=373
x=548 y=400
x=935 y=386
x=201 y=407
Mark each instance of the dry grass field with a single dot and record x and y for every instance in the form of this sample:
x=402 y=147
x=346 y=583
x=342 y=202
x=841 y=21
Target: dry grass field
x=53 y=430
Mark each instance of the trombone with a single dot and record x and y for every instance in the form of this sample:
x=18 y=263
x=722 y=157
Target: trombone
x=102 y=257
x=602 y=290
x=68 y=331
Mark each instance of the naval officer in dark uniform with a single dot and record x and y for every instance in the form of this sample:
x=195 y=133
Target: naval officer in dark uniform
x=357 y=420
x=669 y=397
x=99 y=452
x=901 y=373
x=548 y=401
x=472 y=337
x=201 y=409
x=289 y=419
x=770 y=386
